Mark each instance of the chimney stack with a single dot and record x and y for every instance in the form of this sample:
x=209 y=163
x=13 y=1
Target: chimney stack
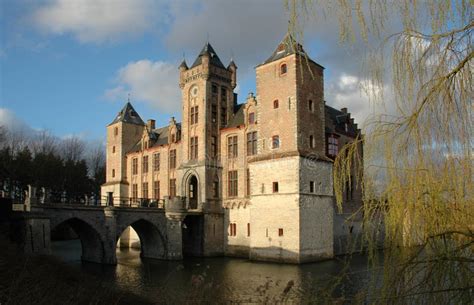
x=344 y=110
x=150 y=124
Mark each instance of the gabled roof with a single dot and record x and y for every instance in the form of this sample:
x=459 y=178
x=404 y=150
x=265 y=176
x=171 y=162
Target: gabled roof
x=339 y=119
x=213 y=58
x=128 y=115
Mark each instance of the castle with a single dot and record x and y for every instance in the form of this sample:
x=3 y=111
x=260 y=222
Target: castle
x=255 y=177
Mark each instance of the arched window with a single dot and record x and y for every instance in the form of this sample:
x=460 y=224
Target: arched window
x=283 y=69
x=275 y=104
x=311 y=105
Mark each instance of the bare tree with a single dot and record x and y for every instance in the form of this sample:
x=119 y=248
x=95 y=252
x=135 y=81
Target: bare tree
x=72 y=149
x=44 y=142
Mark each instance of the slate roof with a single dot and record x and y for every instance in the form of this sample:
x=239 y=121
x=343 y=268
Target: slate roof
x=238 y=118
x=128 y=115
x=288 y=46
x=158 y=136
x=338 y=119
x=214 y=59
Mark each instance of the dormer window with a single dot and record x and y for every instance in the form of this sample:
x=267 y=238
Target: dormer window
x=275 y=104
x=251 y=118
x=283 y=69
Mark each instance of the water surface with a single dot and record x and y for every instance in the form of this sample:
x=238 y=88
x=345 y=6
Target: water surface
x=219 y=279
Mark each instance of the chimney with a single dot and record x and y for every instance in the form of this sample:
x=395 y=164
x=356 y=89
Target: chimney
x=344 y=110
x=352 y=121
x=150 y=124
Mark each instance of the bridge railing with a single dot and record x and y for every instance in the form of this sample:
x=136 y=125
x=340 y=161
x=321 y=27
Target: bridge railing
x=50 y=197
x=133 y=202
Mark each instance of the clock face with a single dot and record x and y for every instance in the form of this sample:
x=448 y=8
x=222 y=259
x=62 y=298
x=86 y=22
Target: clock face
x=194 y=91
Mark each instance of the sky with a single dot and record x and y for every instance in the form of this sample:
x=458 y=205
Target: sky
x=68 y=66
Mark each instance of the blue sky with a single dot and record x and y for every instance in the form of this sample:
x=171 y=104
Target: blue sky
x=68 y=66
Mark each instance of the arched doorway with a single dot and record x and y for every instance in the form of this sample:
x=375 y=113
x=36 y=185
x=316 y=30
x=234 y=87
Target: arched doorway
x=193 y=193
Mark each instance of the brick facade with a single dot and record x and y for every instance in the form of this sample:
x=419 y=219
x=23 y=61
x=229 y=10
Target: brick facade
x=258 y=173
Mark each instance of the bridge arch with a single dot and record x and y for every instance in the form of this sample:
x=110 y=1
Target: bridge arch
x=92 y=243
x=152 y=240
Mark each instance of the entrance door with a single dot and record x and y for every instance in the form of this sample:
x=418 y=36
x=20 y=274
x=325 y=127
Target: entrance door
x=193 y=193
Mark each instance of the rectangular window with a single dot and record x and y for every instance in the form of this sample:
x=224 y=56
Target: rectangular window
x=193 y=148
x=213 y=146
x=251 y=118
x=332 y=146
x=275 y=142
x=252 y=143
x=247 y=189
x=215 y=189
x=145 y=164
x=214 y=88
x=172 y=188
x=113 y=173
x=134 y=191
x=275 y=187
x=233 y=229
x=311 y=186
x=232 y=147
x=280 y=232
x=173 y=158
x=223 y=95
x=194 y=115
x=145 y=190
x=223 y=116
x=248 y=229
x=134 y=166
x=156 y=162
x=232 y=187
x=116 y=131
x=156 y=190
x=214 y=113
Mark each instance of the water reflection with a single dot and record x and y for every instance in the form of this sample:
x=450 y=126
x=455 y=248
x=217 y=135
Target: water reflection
x=216 y=279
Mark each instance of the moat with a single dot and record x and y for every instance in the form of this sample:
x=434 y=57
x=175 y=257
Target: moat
x=218 y=279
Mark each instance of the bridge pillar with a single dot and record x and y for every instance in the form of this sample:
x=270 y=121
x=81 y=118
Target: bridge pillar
x=175 y=212
x=110 y=243
x=30 y=230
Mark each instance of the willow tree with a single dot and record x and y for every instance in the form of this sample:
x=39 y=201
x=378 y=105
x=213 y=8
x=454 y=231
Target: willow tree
x=418 y=157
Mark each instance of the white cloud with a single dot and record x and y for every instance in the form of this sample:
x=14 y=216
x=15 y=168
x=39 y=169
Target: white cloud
x=13 y=122
x=155 y=83
x=355 y=93
x=97 y=20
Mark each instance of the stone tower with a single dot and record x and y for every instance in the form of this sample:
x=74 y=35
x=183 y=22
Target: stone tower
x=291 y=209
x=208 y=104
x=122 y=134
x=291 y=101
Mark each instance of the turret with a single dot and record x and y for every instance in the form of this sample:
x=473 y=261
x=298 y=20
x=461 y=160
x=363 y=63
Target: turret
x=233 y=69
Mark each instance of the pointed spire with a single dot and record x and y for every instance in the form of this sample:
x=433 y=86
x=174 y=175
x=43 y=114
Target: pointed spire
x=208 y=50
x=183 y=65
x=128 y=115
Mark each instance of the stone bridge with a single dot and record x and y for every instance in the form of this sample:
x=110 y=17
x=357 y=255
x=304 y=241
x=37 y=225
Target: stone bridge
x=100 y=227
